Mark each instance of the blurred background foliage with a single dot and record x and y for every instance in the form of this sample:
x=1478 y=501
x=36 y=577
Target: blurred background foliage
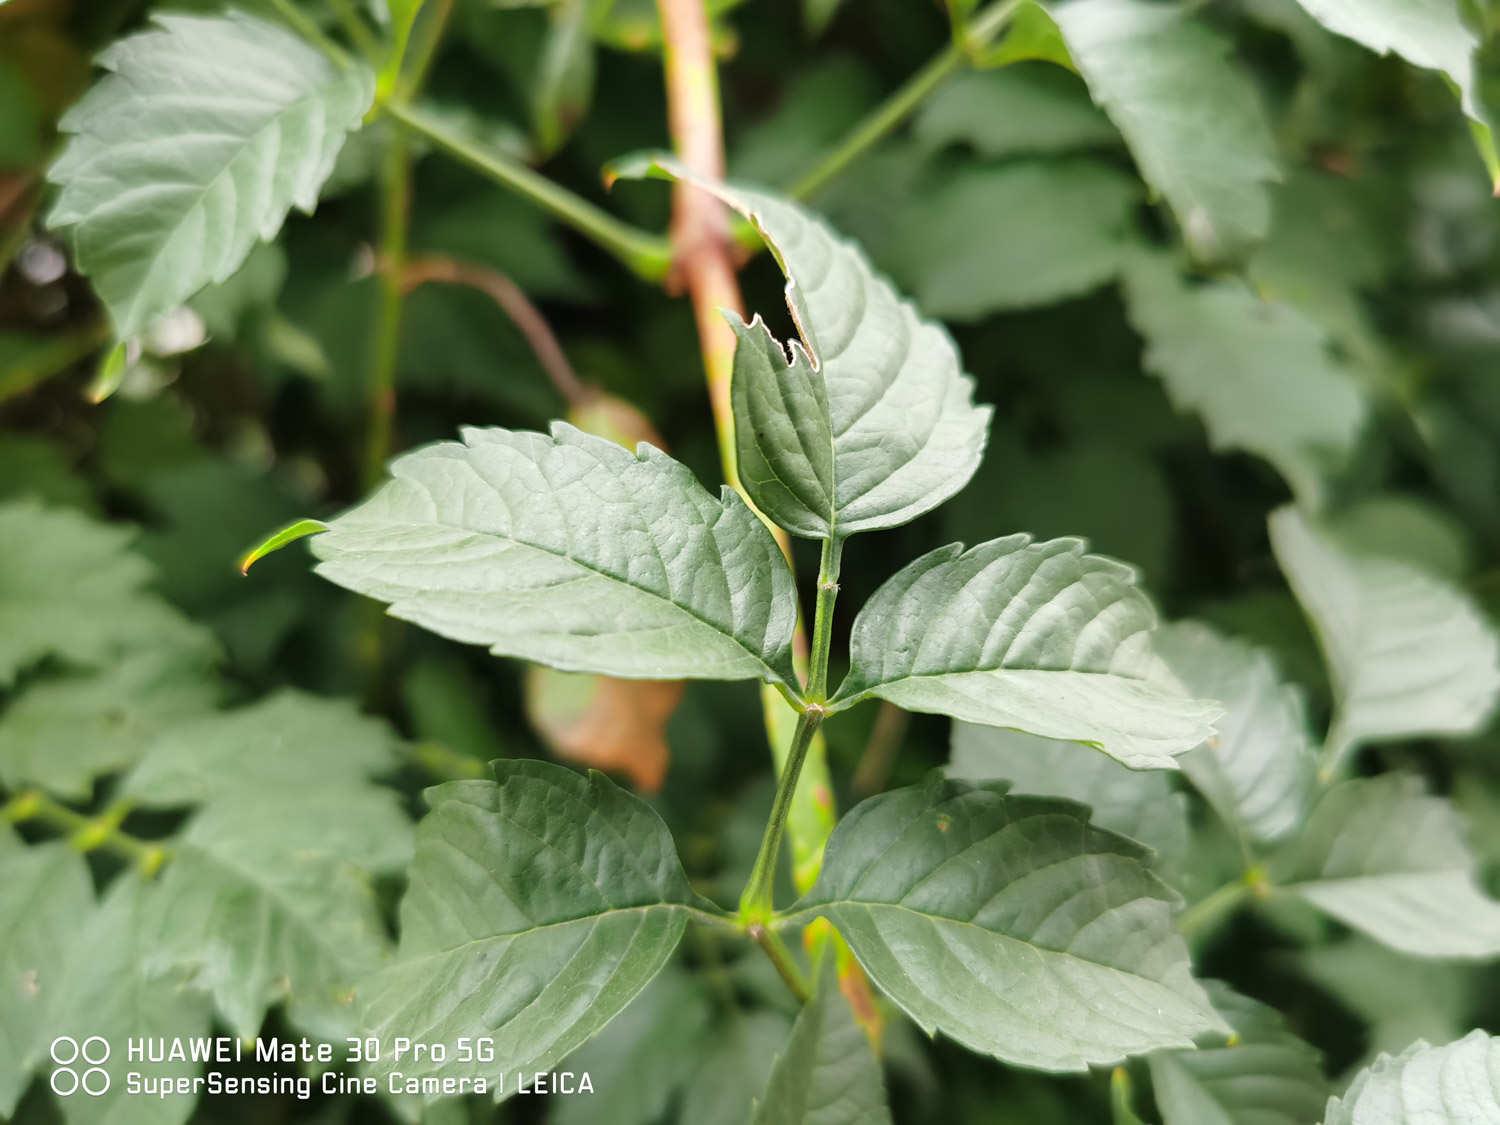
x=1008 y=207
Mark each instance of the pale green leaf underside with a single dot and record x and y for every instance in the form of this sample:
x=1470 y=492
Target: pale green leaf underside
x=1385 y=858
x=1264 y=1076
x=827 y=1074
x=206 y=131
x=899 y=415
x=1141 y=804
x=1258 y=769
x=1012 y=926
x=1192 y=119
x=537 y=909
x=1038 y=637
x=1409 y=653
x=1458 y=1084
x=572 y=551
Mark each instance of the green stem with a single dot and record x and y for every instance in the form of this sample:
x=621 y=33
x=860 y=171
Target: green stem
x=305 y=26
x=86 y=833
x=756 y=903
x=425 y=38
x=1218 y=905
x=395 y=213
x=444 y=762
x=886 y=117
x=828 y=591
x=781 y=957
x=648 y=255
x=355 y=27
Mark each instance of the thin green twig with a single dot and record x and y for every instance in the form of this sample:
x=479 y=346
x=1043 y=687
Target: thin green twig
x=86 y=833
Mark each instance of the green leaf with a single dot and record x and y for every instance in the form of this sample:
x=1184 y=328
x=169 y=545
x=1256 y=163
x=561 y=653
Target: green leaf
x=644 y=1057
x=740 y=1052
x=899 y=419
x=45 y=892
x=1054 y=229
x=565 y=76
x=1011 y=925
x=266 y=916
x=113 y=990
x=538 y=906
x=203 y=135
x=1425 y=1085
x=1141 y=804
x=65 y=732
x=1385 y=858
x=1038 y=637
x=571 y=551
x=1192 y=119
x=1260 y=374
x=70 y=588
x=827 y=1074
x=1409 y=654
x=287 y=743
x=1023 y=109
x=1257 y=771
x=1264 y=1075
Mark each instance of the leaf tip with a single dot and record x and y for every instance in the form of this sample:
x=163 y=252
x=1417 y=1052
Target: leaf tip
x=279 y=539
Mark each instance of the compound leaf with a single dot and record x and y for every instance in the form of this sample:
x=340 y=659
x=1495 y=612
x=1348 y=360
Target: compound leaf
x=538 y=906
x=1425 y=1085
x=1408 y=652
x=827 y=1074
x=1038 y=637
x=1012 y=925
x=1259 y=373
x=1385 y=858
x=896 y=413
x=571 y=551
x=1192 y=119
x=1263 y=1075
x=1257 y=771
x=206 y=131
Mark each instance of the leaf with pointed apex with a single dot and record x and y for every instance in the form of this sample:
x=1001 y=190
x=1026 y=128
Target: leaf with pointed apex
x=45 y=893
x=114 y=990
x=1257 y=771
x=1261 y=375
x=538 y=906
x=1385 y=858
x=1458 y=1084
x=1409 y=653
x=827 y=1074
x=287 y=743
x=203 y=135
x=568 y=550
x=63 y=733
x=1264 y=1075
x=1141 y=804
x=1191 y=117
x=1037 y=637
x=1011 y=925
x=70 y=588
x=896 y=408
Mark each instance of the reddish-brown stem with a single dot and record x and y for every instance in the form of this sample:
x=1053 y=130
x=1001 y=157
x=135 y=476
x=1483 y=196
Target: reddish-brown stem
x=516 y=305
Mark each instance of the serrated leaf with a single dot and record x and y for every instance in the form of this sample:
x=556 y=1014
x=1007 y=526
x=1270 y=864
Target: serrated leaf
x=71 y=588
x=45 y=893
x=1054 y=229
x=538 y=906
x=1258 y=770
x=287 y=743
x=1191 y=117
x=1264 y=1075
x=1011 y=925
x=1408 y=653
x=1458 y=1084
x=63 y=733
x=900 y=425
x=1385 y=858
x=1260 y=374
x=114 y=990
x=204 y=134
x=826 y=1074
x=1023 y=109
x=571 y=551
x=1141 y=804
x=1037 y=637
